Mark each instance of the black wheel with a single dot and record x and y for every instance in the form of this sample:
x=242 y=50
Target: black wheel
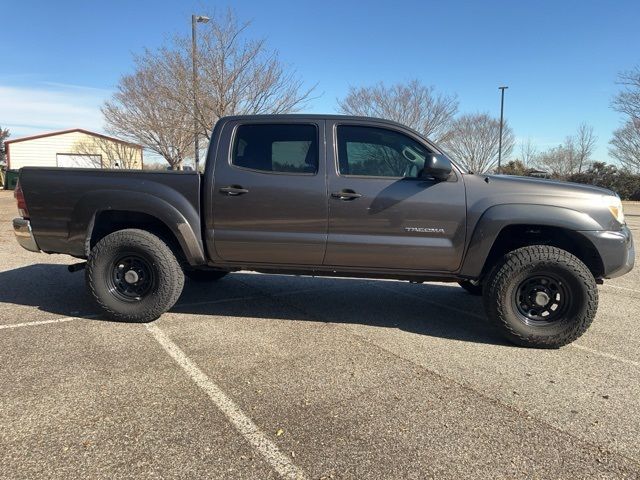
x=204 y=275
x=133 y=276
x=541 y=296
x=473 y=288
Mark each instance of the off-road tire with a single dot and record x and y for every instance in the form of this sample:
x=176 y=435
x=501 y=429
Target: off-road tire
x=167 y=275
x=472 y=288
x=516 y=267
x=204 y=275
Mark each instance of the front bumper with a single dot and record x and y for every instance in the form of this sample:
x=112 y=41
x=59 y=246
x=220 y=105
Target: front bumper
x=24 y=235
x=616 y=250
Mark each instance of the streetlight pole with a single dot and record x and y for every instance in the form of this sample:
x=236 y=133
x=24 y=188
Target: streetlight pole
x=502 y=89
x=195 y=19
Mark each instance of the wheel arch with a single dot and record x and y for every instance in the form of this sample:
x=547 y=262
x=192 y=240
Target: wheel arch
x=506 y=227
x=101 y=213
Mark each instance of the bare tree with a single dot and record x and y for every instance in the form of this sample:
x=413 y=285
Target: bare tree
x=625 y=145
x=514 y=167
x=585 y=143
x=4 y=134
x=154 y=166
x=628 y=100
x=141 y=113
x=241 y=76
x=474 y=141
x=235 y=75
x=113 y=154
x=154 y=106
x=570 y=156
x=560 y=161
x=412 y=104
x=528 y=152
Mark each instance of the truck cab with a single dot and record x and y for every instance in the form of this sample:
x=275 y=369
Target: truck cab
x=331 y=192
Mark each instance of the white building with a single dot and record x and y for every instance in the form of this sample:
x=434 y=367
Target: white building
x=72 y=148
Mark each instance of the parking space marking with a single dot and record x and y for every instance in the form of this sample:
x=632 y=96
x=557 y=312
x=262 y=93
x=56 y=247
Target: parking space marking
x=607 y=355
x=242 y=423
x=213 y=302
x=573 y=345
x=621 y=288
x=44 y=322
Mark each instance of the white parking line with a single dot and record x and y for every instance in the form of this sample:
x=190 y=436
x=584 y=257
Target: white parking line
x=43 y=322
x=621 y=288
x=475 y=315
x=243 y=424
x=213 y=302
x=606 y=355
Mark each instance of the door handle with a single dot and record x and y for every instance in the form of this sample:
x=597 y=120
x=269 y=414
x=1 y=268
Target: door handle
x=233 y=190
x=346 y=195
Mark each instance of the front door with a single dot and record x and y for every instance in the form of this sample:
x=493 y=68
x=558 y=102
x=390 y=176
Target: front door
x=382 y=213
x=269 y=194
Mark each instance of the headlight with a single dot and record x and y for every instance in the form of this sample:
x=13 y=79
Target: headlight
x=615 y=207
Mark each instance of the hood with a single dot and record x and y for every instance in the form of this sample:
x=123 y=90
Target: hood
x=543 y=185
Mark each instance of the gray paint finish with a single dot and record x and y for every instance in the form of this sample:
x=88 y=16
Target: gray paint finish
x=413 y=224
x=282 y=218
x=495 y=202
x=63 y=203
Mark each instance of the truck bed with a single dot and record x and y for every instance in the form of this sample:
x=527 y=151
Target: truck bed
x=64 y=202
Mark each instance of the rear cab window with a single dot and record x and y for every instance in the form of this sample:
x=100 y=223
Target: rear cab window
x=276 y=148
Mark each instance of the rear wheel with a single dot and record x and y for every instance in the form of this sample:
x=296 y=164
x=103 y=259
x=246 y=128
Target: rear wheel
x=541 y=296
x=133 y=276
x=474 y=288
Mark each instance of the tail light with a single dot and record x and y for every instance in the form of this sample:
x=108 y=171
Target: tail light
x=18 y=194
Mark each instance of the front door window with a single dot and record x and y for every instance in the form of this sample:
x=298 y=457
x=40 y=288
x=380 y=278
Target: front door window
x=377 y=152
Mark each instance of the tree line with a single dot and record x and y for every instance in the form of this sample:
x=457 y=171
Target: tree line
x=572 y=160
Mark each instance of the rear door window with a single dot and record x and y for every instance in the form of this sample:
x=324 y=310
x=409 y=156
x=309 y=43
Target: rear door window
x=277 y=148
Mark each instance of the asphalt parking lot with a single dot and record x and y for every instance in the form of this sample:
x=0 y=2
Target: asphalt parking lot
x=281 y=377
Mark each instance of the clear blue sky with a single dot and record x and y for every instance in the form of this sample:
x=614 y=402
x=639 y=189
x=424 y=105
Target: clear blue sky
x=60 y=60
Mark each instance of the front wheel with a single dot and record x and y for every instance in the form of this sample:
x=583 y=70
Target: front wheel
x=133 y=276
x=541 y=296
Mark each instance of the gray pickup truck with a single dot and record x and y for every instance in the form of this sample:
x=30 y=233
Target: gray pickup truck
x=340 y=196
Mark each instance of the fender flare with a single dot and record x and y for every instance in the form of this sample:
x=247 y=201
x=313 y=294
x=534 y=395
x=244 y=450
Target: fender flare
x=178 y=215
x=496 y=218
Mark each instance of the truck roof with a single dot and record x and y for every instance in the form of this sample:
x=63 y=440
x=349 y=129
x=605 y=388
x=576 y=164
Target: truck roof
x=322 y=116
x=315 y=116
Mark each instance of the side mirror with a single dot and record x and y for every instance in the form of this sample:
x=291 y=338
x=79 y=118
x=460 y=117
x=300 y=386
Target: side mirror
x=436 y=166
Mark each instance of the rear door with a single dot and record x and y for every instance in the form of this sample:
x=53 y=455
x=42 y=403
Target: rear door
x=381 y=213
x=269 y=193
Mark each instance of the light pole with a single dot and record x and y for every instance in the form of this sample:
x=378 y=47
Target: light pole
x=195 y=19
x=502 y=89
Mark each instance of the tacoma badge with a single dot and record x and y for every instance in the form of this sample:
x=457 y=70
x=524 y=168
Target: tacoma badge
x=424 y=230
